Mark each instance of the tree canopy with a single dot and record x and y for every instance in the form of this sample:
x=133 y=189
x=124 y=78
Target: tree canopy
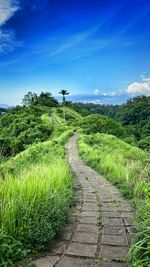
x=23 y=125
x=44 y=99
x=64 y=93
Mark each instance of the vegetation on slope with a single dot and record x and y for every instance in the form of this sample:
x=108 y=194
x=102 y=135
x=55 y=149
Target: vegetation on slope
x=70 y=114
x=133 y=115
x=100 y=124
x=23 y=126
x=128 y=168
x=35 y=196
x=34 y=122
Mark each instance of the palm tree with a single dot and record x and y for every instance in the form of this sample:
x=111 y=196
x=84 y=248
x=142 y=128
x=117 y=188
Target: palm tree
x=64 y=93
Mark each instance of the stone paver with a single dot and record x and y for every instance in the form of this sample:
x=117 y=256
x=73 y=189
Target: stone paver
x=113 y=253
x=112 y=264
x=115 y=240
x=82 y=250
x=87 y=228
x=88 y=220
x=65 y=236
x=58 y=247
x=46 y=261
x=75 y=262
x=100 y=224
x=82 y=237
x=113 y=230
x=112 y=221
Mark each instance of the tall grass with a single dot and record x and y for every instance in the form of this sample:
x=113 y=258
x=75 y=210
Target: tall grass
x=127 y=167
x=35 y=197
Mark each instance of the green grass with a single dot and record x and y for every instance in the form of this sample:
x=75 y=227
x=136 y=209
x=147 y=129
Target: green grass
x=46 y=118
x=70 y=115
x=127 y=167
x=35 y=197
x=56 y=117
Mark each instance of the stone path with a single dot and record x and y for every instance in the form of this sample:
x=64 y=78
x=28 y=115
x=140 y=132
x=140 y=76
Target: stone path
x=99 y=229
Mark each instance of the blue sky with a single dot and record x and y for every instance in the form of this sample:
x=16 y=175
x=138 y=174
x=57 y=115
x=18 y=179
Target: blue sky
x=97 y=50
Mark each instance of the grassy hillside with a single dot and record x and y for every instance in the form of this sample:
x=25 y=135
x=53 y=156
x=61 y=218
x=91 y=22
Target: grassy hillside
x=128 y=168
x=35 y=193
x=70 y=115
x=100 y=124
x=23 y=126
x=133 y=115
x=35 y=196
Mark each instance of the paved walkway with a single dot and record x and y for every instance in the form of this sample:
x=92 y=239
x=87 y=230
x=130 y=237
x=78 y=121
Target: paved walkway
x=100 y=225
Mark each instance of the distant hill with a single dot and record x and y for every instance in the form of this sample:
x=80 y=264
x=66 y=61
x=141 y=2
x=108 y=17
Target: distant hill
x=4 y=106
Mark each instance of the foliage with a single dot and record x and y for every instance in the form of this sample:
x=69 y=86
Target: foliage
x=22 y=126
x=136 y=113
x=91 y=108
x=128 y=168
x=70 y=115
x=145 y=143
x=100 y=124
x=44 y=99
x=35 y=196
x=78 y=107
x=32 y=123
x=133 y=115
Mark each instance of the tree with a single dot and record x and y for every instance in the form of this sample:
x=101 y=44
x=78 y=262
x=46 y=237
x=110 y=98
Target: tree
x=46 y=99
x=29 y=99
x=64 y=93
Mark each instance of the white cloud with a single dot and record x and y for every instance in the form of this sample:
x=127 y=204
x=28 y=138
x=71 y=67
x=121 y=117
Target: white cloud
x=97 y=91
x=75 y=39
x=7 y=9
x=114 y=93
x=8 y=41
x=146 y=79
x=140 y=87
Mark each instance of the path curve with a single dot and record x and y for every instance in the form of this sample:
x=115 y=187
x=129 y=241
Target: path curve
x=99 y=230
